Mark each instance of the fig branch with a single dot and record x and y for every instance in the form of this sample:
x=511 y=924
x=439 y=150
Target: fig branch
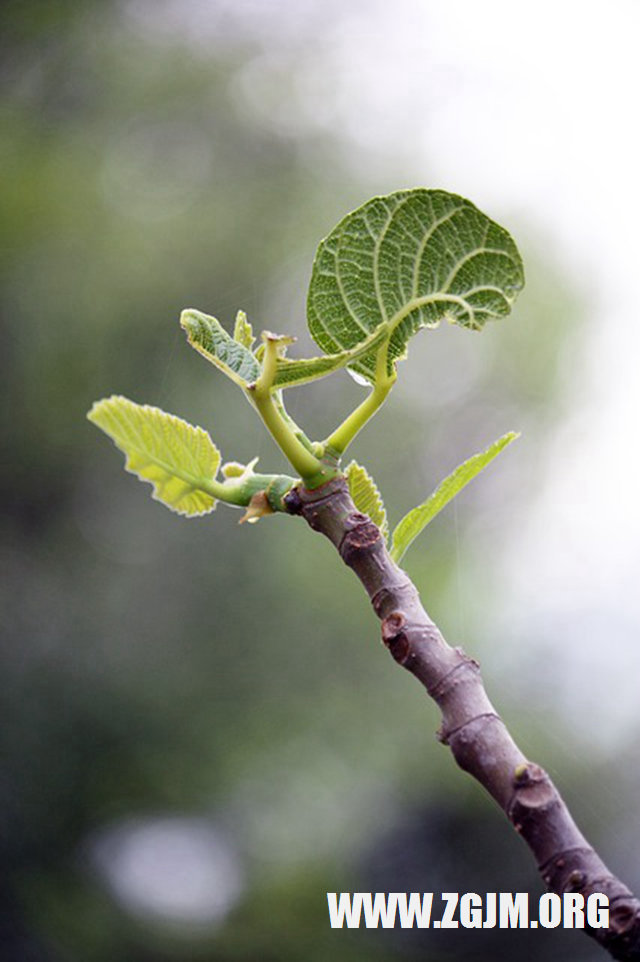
x=394 y=266
x=471 y=727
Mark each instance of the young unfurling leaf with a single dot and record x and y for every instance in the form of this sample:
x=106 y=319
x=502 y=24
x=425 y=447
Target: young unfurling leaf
x=366 y=496
x=207 y=335
x=179 y=460
x=413 y=523
x=243 y=332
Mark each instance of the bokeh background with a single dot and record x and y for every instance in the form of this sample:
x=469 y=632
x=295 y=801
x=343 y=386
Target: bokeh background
x=201 y=734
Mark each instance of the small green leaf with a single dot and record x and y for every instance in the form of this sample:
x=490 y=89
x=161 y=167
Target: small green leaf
x=179 y=460
x=243 y=332
x=412 y=524
x=407 y=261
x=207 y=335
x=366 y=496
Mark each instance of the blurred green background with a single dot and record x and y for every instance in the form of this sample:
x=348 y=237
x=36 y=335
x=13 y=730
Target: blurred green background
x=201 y=734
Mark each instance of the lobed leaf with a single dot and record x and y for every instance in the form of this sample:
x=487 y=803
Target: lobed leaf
x=366 y=496
x=207 y=335
x=179 y=460
x=413 y=523
x=407 y=261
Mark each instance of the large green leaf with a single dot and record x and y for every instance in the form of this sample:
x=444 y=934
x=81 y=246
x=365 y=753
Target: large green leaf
x=366 y=496
x=207 y=335
x=179 y=460
x=406 y=261
x=413 y=523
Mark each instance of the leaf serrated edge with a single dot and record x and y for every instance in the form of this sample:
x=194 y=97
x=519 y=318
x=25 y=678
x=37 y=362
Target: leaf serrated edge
x=366 y=496
x=116 y=405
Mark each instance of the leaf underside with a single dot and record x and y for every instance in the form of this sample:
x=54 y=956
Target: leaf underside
x=407 y=261
x=179 y=460
x=366 y=496
x=416 y=520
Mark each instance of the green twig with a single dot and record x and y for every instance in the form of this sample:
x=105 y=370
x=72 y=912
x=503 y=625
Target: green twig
x=342 y=437
x=302 y=460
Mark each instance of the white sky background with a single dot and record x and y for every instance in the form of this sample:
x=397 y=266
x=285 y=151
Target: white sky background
x=531 y=109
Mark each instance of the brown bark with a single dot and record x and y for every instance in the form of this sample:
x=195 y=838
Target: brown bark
x=475 y=733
